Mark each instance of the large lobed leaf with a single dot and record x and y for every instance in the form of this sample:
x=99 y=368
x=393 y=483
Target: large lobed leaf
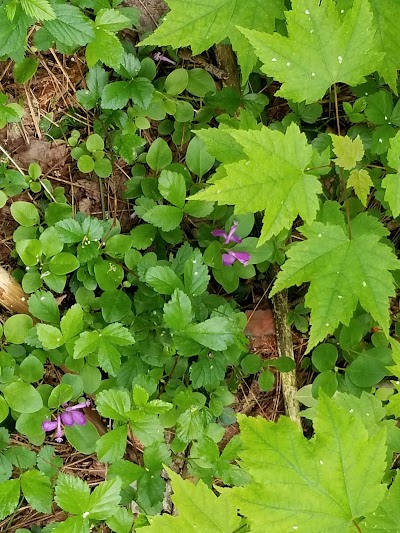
x=272 y=176
x=342 y=272
x=202 y=24
x=324 y=46
x=323 y=484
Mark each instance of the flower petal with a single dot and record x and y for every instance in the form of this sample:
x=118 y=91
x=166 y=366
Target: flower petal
x=81 y=405
x=219 y=233
x=227 y=259
x=79 y=418
x=243 y=257
x=49 y=425
x=67 y=419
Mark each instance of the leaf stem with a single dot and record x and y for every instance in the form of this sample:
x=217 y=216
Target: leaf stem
x=357 y=526
x=342 y=180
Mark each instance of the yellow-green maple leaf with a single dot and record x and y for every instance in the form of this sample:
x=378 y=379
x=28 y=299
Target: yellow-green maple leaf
x=348 y=151
x=323 y=47
x=391 y=182
x=361 y=182
x=272 y=177
x=342 y=273
x=202 y=24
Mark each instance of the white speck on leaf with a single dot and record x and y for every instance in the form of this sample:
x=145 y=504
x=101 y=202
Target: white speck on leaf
x=340 y=59
x=218 y=191
x=273 y=59
x=380 y=140
x=385 y=117
x=327 y=324
x=340 y=296
x=311 y=31
x=321 y=462
x=367 y=414
x=364 y=284
x=41 y=298
x=85 y=514
x=319 y=234
x=351 y=410
x=342 y=11
x=58 y=339
x=196 y=273
x=288 y=64
x=307 y=12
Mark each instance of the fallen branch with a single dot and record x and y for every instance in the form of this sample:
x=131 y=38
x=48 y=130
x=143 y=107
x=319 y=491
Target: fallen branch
x=12 y=297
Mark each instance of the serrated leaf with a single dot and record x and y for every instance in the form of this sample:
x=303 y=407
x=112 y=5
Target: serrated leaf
x=386 y=518
x=391 y=182
x=178 y=311
x=44 y=306
x=165 y=217
x=274 y=178
x=323 y=47
x=36 y=488
x=121 y=520
x=342 y=273
x=72 y=322
x=73 y=524
x=361 y=182
x=69 y=231
x=313 y=485
x=112 y=20
x=111 y=446
x=202 y=25
x=70 y=27
x=199 y=509
x=172 y=187
x=9 y=497
x=163 y=279
x=113 y=404
x=72 y=494
x=216 y=333
x=50 y=336
x=104 y=499
x=195 y=275
x=348 y=151
x=38 y=9
x=106 y=47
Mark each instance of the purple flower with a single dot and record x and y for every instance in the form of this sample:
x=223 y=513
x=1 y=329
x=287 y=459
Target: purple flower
x=158 y=56
x=230 y=257
x=228 y=237
x=69 y=417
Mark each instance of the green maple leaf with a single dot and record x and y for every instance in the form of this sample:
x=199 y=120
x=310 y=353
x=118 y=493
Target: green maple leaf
x=274 y=178
x=310 y=485
x=202 y=24
x=348 y=151
x=391 y=182
x=323 y=47
x=342 y=273
x=361 y=181
x=199 y=510
x=386 y=518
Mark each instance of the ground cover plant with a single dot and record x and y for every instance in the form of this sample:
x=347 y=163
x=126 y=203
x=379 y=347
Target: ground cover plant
x=190 y=191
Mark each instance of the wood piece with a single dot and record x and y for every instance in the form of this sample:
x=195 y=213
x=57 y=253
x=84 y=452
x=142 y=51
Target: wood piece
x=12 y=297
x=226 y=60
x=285 y=349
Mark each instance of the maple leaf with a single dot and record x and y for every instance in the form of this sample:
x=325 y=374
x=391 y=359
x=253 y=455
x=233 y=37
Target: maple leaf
x=386 y=518
x=274 y=178
x=202 y=24
x=323 y=47
x=361 y=181
x=391 y=182
x=342 y=273
x=387 y=36
x=348 y=151
x=199 y=509
x=310 y=485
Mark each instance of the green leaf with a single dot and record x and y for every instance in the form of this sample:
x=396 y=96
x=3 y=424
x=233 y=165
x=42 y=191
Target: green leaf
x=324 y=357
x=16 y=328
x=116 y=94
x=216 y=333
x=266 y=380
x=115 y=305
x=121 y=521
x=159 y=155
x=342 y=273
x=72 y=494
x=9 y=497
x=69 y=231
x=111 y=20
x=163 y=279
x=195 y=275
x=208 y=371
x=172 y=187
x=50 y=336
x=386 y=518
x=198 y=160
x=323 y=47
x=25 y=213
x=62 y=393
x=113 y=404
x=104 y=499
x=73 y=524
x=313 y=485
x=366 y=370
x=143 y=236
x=37 y=490
x=200 y=26
x=176 y=82
x=348 y=151
x=70 y=27
x=178 y=311
x=200 y=82
x=48 y=462
x=165 y=217
x=23 y=397
x=38 y=9
x=111 y=446
x=31 y=369
x=391 y=182
x=72 y=322
x=44 y=306
x=24 y=70
x=199 y=510
x=106 y=47
x=361 y=182
x=83 y=438
x=274 y=178
x=108 y=275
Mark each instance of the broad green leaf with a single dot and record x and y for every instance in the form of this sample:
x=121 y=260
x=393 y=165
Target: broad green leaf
x=323 y=47
x=106 y=47
x=274 y=179
x=72 y=322
x=20 y=457
x=200 y=26
x=348 y=151
x=31 y=369
x=69 y=231
x=176 y=82
x=199 y=509
x=50 y=336
x=216 y=333
x=25 y=70
x=178 y=311
x=9 y=497
x=113 y=404
x=111 y=20
x=342 y=273
x=198 y=160
x=172 y=187
x=44 y=306
x=104 y=499
x=195 y=275
x=70 y=27
x=361 y=182
x=121 y=520
x=13 y=34
x=72 y=494
x=73 y=524
x=61 y=393
x=25 y=213
x=165 y=217
x=48 y=462
x=148 y=430
x=391 y=182
x=83 y=438
x=159 y=155
x=37 y=490
x=163 y=279
x=386 y=518
x=23 y=397
x=111 y=446
x=116 y=94
x=208 y=371
x=115 y=305
x=38 y=9
x=200 y=82
x=312 y=485
x=17 y=327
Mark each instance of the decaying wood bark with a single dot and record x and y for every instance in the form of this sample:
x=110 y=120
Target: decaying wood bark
x=285 y=348
x=226 y=60
x=12 y=297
